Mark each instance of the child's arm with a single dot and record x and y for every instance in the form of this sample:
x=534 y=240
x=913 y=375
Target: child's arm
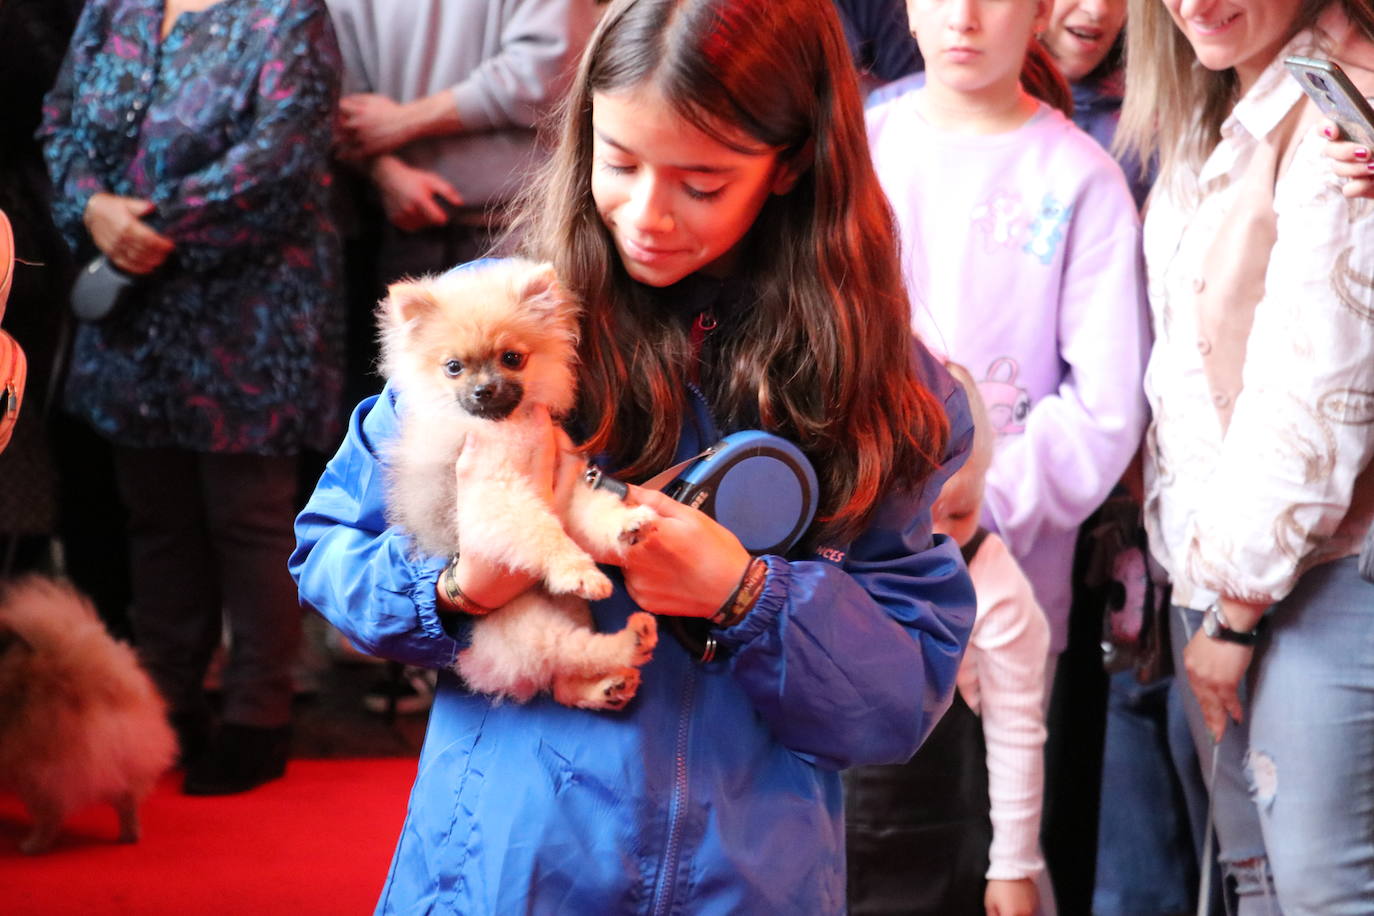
x=1079 y=439
x=356 y=570
x=1007 y=653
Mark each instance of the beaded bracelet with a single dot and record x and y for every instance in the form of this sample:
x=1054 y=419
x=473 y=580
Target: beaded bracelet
x=745 y=595
x=448 y=582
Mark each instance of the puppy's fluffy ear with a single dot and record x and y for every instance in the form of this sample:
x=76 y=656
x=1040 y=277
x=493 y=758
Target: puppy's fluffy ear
x=540 y=290
x=408 y=300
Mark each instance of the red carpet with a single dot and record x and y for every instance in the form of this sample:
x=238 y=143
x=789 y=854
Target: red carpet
x=317 y=841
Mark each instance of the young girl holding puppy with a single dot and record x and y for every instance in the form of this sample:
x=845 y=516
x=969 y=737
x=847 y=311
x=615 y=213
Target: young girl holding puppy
x=712 y=204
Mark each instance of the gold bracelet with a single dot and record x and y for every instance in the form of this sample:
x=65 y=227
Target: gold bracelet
x=448 y=581
x=745 y=596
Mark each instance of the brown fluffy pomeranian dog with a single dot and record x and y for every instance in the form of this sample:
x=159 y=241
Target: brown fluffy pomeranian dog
x=80 y=721
x=475 y=352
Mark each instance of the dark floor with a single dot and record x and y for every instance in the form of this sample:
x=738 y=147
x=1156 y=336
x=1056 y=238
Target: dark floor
x=333 y=722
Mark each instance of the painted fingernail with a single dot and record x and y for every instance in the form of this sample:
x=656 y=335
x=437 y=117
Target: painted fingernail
x=1361 y=153
x=1370 y=166
x=1328 y=133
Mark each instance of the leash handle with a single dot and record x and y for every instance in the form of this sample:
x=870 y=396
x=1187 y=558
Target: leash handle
x=1204 y=884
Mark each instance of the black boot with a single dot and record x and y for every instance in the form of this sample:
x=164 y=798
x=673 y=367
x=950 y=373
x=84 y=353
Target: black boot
x=193 y=736
x=242 y=757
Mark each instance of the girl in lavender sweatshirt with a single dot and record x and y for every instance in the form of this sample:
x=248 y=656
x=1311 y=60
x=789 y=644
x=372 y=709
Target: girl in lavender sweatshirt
x=1021 y=248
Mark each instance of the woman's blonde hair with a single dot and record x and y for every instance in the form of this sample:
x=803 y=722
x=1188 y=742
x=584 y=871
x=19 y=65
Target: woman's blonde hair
x=1174 y=106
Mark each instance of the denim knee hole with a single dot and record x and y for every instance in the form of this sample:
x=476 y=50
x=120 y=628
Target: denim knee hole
x=1263 y=776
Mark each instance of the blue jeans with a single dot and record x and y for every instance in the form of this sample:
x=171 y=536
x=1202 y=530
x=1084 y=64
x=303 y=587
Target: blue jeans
x=1294 y=785
x=1145 y=860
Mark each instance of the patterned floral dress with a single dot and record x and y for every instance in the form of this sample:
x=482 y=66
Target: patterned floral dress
x=234 y=345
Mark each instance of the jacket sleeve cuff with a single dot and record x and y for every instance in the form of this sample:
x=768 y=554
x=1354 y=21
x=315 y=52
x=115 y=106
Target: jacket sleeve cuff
x=1015 y=869
x=423 y=587
x=771 y=602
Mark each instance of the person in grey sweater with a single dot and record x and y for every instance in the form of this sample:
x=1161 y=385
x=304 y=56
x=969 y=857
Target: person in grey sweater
x=442 y=100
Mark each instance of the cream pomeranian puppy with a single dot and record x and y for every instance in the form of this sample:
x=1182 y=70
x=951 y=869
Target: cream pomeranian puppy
x=80 y=721
x=476 y=352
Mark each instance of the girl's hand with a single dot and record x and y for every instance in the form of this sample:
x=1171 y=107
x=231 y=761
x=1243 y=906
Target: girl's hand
x=1352 y=161
x=688 y=566
x=1215 y=670
x=555 y=467
x=1011 y=898
x=117 y=228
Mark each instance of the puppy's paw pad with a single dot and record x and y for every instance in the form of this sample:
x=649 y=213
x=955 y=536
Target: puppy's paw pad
x=645 y=631
x=585 y=581
x=611 y=691
x=637 y=523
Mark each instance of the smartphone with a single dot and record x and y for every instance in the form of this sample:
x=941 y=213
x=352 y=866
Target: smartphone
x=1327 y=85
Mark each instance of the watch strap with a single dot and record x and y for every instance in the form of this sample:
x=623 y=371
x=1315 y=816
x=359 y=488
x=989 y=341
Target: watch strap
x=1216 y=627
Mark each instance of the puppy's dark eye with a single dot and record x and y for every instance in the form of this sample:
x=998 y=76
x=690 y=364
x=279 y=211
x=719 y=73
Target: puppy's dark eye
x=512 y=360
x=453 y=368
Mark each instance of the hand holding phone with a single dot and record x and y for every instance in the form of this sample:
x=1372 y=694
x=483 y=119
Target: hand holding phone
x=1336 y=96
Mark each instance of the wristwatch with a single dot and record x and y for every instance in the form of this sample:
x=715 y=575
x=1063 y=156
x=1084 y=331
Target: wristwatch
x=1215 y=626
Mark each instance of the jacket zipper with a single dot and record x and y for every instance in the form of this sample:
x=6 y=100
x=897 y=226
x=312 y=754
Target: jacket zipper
x=704 y=324
x=677 y=807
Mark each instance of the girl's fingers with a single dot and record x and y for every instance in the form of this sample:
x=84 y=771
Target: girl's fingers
x=663 y=505
x=1359 y=187
x=1230 y=701
x=1346 y=151
x=1213 y=716
x=1352 y=169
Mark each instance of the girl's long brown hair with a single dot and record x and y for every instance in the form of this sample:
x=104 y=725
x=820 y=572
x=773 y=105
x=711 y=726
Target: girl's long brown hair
x=821 y=352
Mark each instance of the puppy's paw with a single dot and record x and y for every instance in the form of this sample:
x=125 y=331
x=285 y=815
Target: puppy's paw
x=645 y=630
x=581 y=579
x=635 y=524
x=612 y=690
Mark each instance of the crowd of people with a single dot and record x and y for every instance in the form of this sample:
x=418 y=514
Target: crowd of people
x=1070 y=304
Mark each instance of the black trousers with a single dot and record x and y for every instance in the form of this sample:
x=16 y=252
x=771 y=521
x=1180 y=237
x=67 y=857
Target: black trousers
x=209 y=537
x=917 y=834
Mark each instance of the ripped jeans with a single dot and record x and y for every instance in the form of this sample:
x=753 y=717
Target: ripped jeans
x=1294 y=787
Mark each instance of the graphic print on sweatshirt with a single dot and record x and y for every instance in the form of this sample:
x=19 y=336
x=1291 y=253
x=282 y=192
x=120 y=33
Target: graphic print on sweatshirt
x=1004 y=221
x=1047 y=229
x=1008 y=404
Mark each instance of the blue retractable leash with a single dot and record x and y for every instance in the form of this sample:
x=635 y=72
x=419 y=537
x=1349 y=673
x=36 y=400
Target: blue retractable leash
x=758 y=485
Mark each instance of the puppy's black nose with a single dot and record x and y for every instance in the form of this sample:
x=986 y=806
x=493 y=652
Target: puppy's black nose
x=483 y=393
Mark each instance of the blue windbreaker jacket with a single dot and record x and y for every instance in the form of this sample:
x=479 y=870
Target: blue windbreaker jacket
x=716 y=791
